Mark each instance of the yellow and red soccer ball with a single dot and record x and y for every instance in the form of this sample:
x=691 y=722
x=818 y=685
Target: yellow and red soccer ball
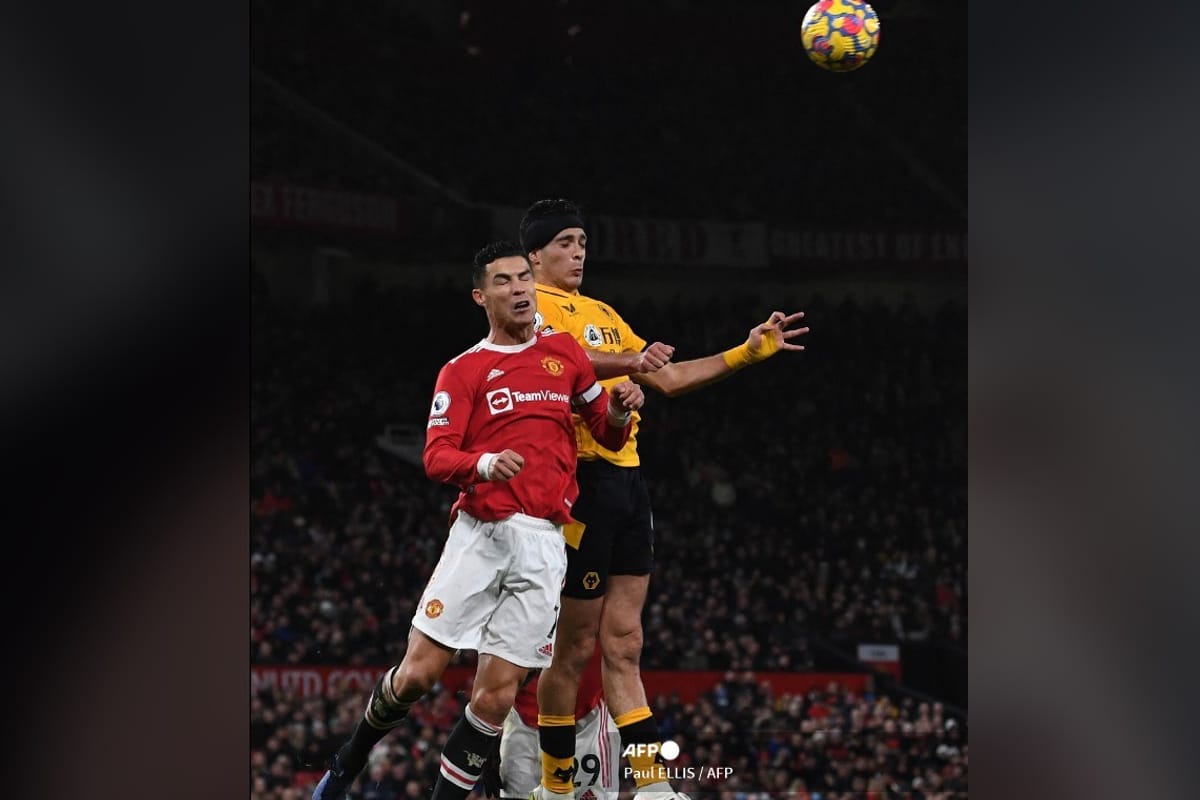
x=840 y=35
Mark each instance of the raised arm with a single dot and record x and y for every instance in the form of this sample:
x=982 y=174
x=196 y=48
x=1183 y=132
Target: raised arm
x=614 y=365
x=765 y=340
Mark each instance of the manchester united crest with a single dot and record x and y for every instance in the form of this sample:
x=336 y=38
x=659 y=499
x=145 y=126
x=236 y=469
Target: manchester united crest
x=552 y=365
x=433 y=609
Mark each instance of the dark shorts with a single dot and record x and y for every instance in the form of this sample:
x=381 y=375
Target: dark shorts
x=618 y=529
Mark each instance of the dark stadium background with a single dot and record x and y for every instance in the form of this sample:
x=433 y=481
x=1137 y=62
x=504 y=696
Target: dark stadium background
x=805 y=508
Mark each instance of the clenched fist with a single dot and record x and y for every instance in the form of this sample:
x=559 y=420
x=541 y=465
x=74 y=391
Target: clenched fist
x=625 y=397
x=505 y=466
x=654 y=357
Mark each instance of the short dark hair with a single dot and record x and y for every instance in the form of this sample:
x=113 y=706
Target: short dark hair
x=489 y=253
x=544 y=219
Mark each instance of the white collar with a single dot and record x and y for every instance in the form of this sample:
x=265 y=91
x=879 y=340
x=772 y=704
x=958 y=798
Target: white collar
x=508 y=348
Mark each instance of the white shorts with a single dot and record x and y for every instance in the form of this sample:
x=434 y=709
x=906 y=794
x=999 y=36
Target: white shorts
x=495 y=589
x=597 y=753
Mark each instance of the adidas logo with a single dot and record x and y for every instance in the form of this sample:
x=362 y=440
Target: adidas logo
x=547 y=649
x=496 y=373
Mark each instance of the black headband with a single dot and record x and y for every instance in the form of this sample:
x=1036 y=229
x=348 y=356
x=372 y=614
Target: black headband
x=541 y=233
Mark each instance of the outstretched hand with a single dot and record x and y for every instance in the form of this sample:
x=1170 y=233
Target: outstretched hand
x=774 y=334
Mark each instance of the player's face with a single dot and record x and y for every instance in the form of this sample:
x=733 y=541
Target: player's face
x=508 y=293
x=560 y=263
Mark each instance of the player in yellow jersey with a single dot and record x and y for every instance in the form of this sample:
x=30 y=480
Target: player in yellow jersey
x=610 y=543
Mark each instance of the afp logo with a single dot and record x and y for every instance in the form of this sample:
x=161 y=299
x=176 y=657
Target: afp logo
x=668 y=749
x=499 y=401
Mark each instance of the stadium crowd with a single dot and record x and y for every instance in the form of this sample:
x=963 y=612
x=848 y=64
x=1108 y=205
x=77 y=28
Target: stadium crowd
x=823 y=745
x=815 y=495
x=814 y=501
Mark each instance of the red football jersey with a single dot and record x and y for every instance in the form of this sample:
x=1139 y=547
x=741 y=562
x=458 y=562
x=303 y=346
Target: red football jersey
x=591 y=692
x=517 y=397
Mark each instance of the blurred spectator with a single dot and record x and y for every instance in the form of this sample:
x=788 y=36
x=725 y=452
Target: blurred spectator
x=870 y=546
x=830 y=743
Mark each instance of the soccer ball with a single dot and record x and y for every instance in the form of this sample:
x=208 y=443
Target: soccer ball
x=840 y=35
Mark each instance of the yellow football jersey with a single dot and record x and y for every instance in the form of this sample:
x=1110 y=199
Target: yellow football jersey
x=597 y=327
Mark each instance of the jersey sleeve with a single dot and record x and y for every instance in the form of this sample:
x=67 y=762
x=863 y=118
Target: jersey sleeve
x=449 y=415
x=590 y=401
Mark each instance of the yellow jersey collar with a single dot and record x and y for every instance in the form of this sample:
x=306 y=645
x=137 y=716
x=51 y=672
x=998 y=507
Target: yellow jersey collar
x=541 y=287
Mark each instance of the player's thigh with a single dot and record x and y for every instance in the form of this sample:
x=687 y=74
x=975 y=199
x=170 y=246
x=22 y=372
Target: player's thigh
x=425 y=657
x=520 y=759
x=464 y=590
x=523 y=626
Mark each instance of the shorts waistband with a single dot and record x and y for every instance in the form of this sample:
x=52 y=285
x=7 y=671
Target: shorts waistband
x=521 y=519
x=536 y=522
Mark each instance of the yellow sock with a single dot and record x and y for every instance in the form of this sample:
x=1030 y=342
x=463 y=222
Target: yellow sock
x=637 y=727
x=556 y=735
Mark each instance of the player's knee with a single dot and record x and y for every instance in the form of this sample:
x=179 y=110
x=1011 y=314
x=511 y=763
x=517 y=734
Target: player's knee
x=492 y=703
x=411 y=682
x=386 y=710
x=575 y=647
x=621 y=646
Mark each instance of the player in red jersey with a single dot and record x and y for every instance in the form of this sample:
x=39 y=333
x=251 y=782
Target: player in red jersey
x=597 y=741
x=500 y=427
